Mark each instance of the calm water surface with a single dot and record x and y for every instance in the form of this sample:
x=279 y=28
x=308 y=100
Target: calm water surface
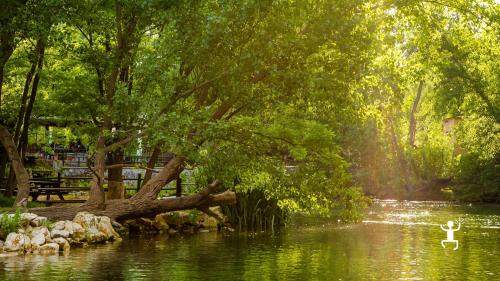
x=396 y=241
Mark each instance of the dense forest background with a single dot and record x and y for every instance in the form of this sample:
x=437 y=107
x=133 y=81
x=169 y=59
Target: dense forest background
x=307 y=105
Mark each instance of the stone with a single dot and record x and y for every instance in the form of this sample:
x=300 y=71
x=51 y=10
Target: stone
x=37 y=238
x=55 y=233
x=44 y=231
x=76 y=231
x=119 y=228
x=105 y=227
x=49 y=248
x=38 y=221
x=16 y=242
x=209 y=222
x=161 y=222
x=60 y=225
x=63 y=244
x=26 y=218
x=97 y=229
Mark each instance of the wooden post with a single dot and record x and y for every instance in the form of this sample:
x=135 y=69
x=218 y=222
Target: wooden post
x=58 y=179
x=178 y=187
x=139 y=180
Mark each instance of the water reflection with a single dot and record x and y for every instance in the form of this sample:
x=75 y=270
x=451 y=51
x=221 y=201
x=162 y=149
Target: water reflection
x=398 y=241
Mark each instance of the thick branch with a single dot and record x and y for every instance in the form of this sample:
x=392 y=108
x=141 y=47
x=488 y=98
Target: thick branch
x=21 y=174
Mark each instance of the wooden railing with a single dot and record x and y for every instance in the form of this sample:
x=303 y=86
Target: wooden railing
x=61 y=186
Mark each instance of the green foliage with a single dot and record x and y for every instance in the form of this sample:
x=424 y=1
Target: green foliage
x=10 y=224
x=6 y=201
x=478 y=168
x=292 y=104
x=253 y=211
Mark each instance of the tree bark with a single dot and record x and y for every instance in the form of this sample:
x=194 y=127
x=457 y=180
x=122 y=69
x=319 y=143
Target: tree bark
x=168 y=173
x=25 y=112
x=413 y=122
x=151 y=164
x=116 y=189
x=124 y=209
x=97 y=195
x=18 y=167
x=24 y=99
x=23 y=144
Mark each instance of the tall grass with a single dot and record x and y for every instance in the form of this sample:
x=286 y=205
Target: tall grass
x=9 y=224
x=254 y=212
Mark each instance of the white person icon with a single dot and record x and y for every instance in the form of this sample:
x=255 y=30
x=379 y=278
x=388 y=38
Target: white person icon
x=449 y=234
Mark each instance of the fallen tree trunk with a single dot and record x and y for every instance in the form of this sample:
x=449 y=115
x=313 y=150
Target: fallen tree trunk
x=124 y=209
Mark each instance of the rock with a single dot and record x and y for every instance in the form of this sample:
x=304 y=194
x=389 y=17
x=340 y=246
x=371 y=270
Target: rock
x=43 y=230
x=37 y=238
x=38 y=221
x=134 y=227
x=49 y=248
x=97 y=229
x=1 y=245
x=55 y=233
x=119 y=228
x=75 y=230
x=26 y=218
x=161 y=222
x=210 y=222
x=105 y=227
x=16 y=242
x=60 y=225
x=63 y=244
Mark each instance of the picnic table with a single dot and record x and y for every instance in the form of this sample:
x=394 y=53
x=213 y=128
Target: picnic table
x=46 y=187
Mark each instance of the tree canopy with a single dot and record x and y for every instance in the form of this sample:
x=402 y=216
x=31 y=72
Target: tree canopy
x=310 y=102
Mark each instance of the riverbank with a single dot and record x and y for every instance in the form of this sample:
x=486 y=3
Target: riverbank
x=28 y=233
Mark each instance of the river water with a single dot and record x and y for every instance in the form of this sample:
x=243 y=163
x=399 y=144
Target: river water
x=396 y=241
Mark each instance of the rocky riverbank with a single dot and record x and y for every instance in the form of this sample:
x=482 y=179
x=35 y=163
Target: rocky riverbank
x=36 y=235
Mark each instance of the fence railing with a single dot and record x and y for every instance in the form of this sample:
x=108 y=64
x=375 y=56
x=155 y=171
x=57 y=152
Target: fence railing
x=67 y=183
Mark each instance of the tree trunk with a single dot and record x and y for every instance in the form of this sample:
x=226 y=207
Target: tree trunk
x=23 y=144
x=24 y=99
x=18 y=167
x=7 y=46
x=116 y=189
x=97 y=195
x=151 y=164
x=3 y=166
x=168 y=173
x=413 y=122
x=123 y=209
x=25 y=112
